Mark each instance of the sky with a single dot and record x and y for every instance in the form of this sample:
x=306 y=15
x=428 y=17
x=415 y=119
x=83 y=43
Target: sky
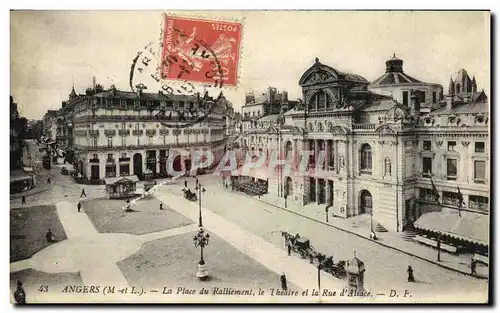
x=52 y=50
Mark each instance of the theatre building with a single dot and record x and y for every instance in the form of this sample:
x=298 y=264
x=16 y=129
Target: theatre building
x=121 y=133
x=382 y=147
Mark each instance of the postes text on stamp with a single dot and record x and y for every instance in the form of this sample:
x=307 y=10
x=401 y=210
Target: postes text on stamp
x=188 y=44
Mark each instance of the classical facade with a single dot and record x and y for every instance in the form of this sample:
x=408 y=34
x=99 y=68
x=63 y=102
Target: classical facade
x=122 y=133
x=380 y=154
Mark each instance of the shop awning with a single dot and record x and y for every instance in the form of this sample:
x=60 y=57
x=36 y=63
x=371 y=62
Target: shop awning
x=470 y=226
x=19 y=175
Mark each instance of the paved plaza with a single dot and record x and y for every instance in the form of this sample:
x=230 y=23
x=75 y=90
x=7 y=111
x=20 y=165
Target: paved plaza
x=152 y=248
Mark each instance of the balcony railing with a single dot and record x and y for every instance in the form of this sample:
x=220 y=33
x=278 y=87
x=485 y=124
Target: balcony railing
x=364 y=126
x=124 y=132
x=164 y=132
x=109 y=132
x=124 y=159
x=137 y=132
x=94 y=161
x=94 y=132
x=150 y=132
x=110 y=160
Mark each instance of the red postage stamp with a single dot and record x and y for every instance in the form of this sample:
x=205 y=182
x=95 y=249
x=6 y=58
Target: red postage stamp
x=203 y=51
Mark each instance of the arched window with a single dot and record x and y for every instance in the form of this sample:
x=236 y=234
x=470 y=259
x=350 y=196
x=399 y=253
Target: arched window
x=458 y=88
x=288 y=149
x=366 y=159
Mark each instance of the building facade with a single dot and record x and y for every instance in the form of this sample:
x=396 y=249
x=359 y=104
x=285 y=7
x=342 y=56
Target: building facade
x=122 y=133
x=379 y=154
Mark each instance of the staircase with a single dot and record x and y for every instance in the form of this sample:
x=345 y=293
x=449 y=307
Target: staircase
x=364 y=221
x=409 y=233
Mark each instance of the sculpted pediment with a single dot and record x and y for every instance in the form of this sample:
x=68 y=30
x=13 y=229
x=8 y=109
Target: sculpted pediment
x=385 y=130
x=272 y=130
x=337 y=130
x=296 y=130
x=319 y=76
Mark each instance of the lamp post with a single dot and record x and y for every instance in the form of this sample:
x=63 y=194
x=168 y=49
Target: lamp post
x=201 y=240
x=200 y=190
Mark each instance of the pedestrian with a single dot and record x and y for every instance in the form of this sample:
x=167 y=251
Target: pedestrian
x=410 y=274
x=79 y=206
x=185 y=183
x=283 y=281
x=161 y=206
x=19 y=294
x=48 y=180
x=49 y=236
x=289 y=249
x=197 y=182
x=23 y=200
x=473 y=267
x=83 y=193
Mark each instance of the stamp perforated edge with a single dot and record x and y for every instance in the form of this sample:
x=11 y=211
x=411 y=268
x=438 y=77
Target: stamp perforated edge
x=241 y=20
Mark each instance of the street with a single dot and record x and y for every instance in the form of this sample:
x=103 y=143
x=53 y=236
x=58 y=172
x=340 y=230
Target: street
x=385 y=268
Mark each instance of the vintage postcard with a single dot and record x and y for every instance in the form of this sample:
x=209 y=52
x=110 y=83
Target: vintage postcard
x=250 y=157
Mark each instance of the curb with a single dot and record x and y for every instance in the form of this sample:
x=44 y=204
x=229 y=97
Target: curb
x=42 y=189
x=378 y=242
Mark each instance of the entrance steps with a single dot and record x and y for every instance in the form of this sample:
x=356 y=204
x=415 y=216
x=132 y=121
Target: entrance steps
x=364 y=221
x=409 y=233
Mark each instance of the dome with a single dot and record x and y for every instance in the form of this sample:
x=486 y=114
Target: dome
x=397 y=112
x=394 y=64
x=356 y=266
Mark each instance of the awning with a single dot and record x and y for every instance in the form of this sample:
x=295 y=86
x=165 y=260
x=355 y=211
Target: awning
x=19 y=175
x=114 y=180
x=470 y=226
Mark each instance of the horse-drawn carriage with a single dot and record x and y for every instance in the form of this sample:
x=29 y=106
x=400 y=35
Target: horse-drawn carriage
x=303 y=247
x=189 y=195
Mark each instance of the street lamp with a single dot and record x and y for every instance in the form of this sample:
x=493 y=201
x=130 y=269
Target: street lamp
x=201 y=240
x=200 y=190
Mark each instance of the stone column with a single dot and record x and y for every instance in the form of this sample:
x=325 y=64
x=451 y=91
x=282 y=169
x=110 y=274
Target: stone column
x=316 y=153
x=157 y=161
x=327 y=154
x=328 y=192
x=317 y=190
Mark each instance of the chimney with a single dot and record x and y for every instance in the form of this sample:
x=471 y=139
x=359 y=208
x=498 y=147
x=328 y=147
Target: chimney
x=93 y=83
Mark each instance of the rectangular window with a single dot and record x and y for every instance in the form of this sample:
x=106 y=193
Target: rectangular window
x=110 y=171
x=434 y=97
x=451 y=169
x=478 y=203
x=110 y=156
x=479 y=147
x=124 y=169
x=479 y=172
x=452 y=145
x=94 y=142
x=426 y=194
x=164 y=139
x=427 y=145
x=110 y=142
x=138 y=141
x=450 y=198
x=427 y=166
x=405 y=97
x=95 y=156
x=124 y=141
